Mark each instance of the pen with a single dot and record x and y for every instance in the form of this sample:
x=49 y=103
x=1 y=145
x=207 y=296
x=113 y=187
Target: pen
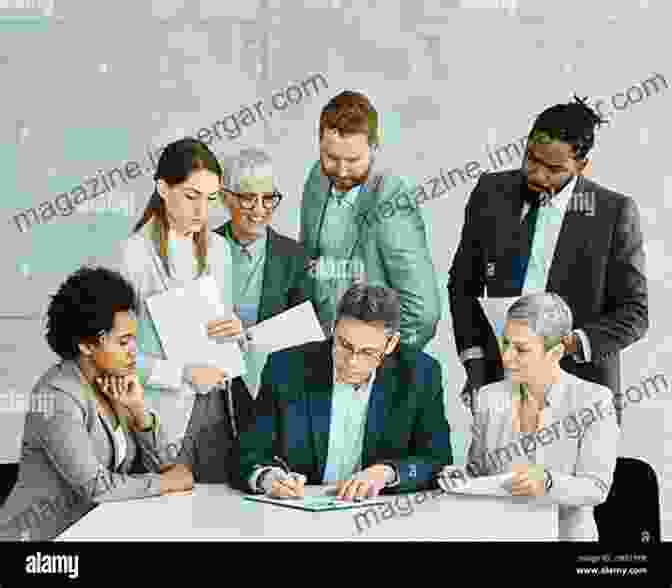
x=287 y=471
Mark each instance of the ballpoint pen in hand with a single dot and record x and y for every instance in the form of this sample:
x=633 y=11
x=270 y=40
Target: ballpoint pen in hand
x=294 y=476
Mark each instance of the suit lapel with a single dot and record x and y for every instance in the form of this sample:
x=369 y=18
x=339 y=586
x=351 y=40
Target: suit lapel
x=574 y=232
x=274 y=276
x=319 y=398
x=365 y=202
x=317 y=195
x=383 y=392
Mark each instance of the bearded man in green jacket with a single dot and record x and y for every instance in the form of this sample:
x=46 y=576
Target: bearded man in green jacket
x=359 y=223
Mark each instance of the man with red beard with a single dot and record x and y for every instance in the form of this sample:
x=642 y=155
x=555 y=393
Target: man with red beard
x=345 y=238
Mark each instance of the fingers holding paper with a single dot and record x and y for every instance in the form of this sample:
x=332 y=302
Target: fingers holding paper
x=225 y=328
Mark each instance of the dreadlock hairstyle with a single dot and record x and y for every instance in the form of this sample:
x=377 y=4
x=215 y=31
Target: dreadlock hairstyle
x=573 y=123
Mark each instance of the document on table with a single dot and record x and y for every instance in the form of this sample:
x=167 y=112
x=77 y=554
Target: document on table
x=317 y=503
x=295 y=326
x=485 y=485
x=495 y=311
x=181 y=316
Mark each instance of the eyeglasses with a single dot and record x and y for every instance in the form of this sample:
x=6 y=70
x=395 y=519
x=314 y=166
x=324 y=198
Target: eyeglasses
x=270 y=201
x=368 y=355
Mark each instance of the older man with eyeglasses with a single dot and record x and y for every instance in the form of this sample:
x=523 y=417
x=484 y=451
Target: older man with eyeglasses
x=356 y=411
x=269 y=268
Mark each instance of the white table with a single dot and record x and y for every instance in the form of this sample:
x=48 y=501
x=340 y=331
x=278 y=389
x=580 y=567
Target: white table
x=217 y=512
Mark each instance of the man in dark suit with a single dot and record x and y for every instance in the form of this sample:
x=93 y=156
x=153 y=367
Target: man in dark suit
x=355 y=411
x=547 y=227
x=269 y=277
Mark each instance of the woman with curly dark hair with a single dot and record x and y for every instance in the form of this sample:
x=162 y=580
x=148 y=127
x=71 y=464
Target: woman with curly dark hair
x=88 y=437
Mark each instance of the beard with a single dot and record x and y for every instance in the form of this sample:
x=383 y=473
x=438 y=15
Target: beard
x=351 y=181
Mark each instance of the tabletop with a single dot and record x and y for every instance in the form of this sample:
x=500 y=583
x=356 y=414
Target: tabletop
x=215 y=512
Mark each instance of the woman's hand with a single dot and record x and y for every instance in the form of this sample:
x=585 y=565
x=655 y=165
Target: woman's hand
x=528 y=480
x=230 y=328
x=177 y=478
x=126 y=395
x=207 y=376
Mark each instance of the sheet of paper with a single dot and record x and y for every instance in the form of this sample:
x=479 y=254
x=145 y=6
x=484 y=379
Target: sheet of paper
x=317 y=503
x=295 y=326
x=181 y=315
x=486 y=485
x=495 y=310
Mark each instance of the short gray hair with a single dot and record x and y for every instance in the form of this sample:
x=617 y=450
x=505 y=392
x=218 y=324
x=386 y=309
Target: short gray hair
x=371 y=304
x=546 y=313
x=244 y=163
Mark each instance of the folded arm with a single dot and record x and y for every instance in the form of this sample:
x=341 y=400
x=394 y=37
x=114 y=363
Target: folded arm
x=69 y=448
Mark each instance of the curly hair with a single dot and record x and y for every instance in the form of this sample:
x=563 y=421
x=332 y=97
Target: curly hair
x=573 y=123
x=85 y=305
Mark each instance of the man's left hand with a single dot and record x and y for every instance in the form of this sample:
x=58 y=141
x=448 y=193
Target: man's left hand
x=528 y=480
x=366 y=484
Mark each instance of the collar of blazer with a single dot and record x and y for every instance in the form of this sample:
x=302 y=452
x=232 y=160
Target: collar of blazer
x=367 y=200
x=67 y=377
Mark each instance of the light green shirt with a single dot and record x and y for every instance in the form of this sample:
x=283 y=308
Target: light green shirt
x=349 y=409
x=248 y=276
x=334 y=275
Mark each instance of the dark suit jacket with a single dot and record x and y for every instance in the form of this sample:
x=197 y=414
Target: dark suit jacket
x=405 y=425
x=598 y=269
x=286 y=283
x=211 y=448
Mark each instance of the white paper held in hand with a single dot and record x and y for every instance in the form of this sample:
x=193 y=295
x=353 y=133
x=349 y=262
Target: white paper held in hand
x=295 y=326
x=181 y=316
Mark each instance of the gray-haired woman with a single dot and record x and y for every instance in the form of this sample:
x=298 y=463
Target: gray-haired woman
x=556 y=433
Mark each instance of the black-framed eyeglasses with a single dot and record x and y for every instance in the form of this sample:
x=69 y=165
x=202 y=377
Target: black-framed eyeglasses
x=368 y=355
x=247 y=201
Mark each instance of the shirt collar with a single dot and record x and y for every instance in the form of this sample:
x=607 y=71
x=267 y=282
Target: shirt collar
x=367 y=384
x=350 y=196
x=561 y=199
x=253 y=247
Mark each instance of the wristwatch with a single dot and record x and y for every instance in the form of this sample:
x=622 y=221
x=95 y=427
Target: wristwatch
x=548 y=480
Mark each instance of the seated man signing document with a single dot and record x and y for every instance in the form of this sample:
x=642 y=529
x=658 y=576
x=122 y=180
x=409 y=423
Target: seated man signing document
x=357 y=411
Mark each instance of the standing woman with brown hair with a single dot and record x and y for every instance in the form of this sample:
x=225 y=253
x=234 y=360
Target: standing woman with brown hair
x=171 y=245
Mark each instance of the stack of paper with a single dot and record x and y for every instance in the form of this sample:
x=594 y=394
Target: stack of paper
x=181 y=316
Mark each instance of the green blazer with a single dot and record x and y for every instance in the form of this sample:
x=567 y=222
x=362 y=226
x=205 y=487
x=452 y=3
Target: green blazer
x=405 y=424
x=285 y=283
x=393 y=247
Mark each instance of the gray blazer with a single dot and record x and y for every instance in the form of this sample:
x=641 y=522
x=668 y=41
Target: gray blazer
x=68 y=457
x=578 y=444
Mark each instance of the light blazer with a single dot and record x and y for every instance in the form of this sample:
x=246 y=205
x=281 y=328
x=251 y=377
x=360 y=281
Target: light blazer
x=598 y=269
x=393 y=249
x=286 y=283
x=67 y=456
x=174 y=397
x=578 y=444
x=405 y=423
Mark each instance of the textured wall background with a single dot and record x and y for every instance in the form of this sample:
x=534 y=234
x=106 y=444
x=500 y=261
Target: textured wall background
x=91 y=86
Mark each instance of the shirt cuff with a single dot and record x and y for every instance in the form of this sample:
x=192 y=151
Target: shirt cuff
x=253 y=480
x=584 y=353
x=472 y=353
x=391 y=476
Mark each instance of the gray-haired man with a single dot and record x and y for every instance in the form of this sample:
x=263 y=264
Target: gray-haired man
x=354 y=411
